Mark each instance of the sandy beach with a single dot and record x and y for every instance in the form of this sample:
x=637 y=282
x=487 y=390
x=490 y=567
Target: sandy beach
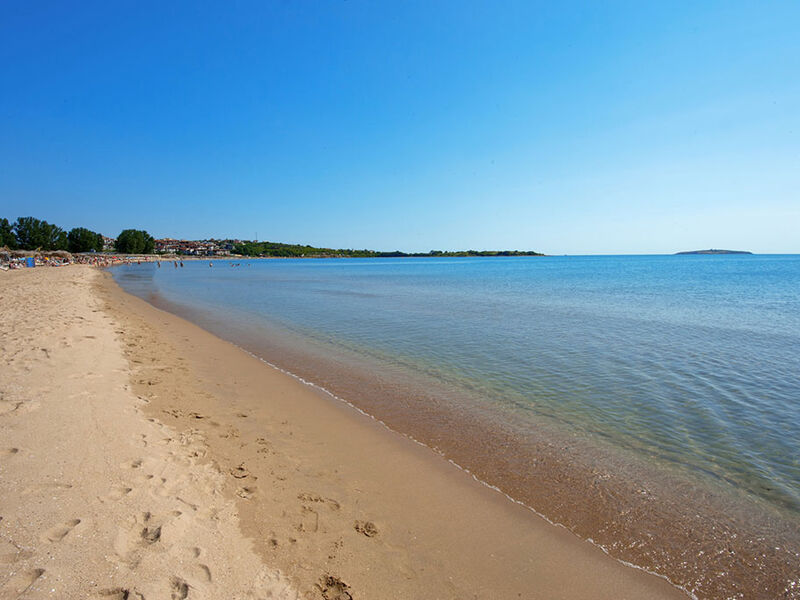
x=142 y=457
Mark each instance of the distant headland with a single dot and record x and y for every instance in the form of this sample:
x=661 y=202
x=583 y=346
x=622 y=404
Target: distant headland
x=714 y=251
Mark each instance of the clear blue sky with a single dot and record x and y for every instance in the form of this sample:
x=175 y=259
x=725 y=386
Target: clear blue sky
x=597 y=127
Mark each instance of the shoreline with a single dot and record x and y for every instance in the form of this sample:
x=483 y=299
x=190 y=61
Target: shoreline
x=712 y=544
x=507 y=516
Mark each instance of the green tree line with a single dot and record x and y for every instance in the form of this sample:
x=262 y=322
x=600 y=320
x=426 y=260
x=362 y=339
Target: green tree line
x=30 y=233
x=296 y=250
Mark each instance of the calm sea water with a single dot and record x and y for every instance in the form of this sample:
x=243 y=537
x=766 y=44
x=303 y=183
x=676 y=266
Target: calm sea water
x=691 y=363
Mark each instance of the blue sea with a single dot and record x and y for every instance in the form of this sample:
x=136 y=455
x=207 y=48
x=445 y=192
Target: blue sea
x=676 y=375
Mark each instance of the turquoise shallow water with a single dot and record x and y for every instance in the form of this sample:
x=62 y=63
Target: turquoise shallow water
x=680 y=374
x=695 y=359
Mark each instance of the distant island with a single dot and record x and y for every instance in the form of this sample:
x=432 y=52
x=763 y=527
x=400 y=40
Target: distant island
x=714 y=251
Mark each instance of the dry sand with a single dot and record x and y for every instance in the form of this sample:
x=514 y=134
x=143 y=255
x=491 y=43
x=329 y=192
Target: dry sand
x=95 y=499
x=142 y=457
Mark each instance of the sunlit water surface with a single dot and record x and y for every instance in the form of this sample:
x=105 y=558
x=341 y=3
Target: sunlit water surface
x=691 y=363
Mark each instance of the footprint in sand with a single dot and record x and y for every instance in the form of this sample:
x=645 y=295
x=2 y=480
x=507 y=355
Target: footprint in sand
x=264 y=446
x=120 y=594
x=230 y=432
x=136 y=533
x=20 y=583
x=333 y=588
x=311 y=497
x=240 y=472
x=203 y=572
x=180 y=589
x=160 y=488
x=119 y=491
x=366 y=528
x=310 y=518
x=11 y=552
x=59 y=532
x=247 y=492
x=8 y=407
x=151 y=535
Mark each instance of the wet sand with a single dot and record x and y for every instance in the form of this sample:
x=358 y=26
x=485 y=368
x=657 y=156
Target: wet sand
x=142 y=455
x=715 y=541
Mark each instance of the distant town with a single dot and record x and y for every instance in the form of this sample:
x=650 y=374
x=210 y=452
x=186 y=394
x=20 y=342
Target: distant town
x=210 y=247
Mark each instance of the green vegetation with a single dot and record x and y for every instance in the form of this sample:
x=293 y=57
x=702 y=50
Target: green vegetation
x=29 y=233
x=82 y=240
x=478 y=253
x=135 y=241
x=7 y=237
x=293 y=250
x=33 y=234
x=296 y=251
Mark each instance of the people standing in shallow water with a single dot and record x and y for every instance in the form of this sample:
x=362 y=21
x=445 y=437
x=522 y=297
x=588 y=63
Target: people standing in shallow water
x=181 y=264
